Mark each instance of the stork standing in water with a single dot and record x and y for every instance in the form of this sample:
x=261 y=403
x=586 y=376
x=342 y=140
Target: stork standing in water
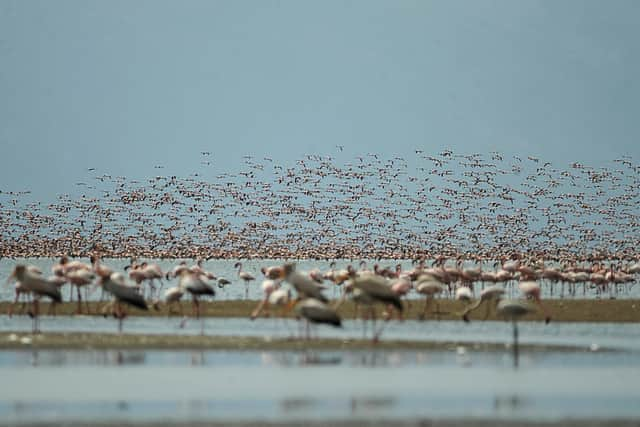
x=246 y=277
x=315 y=311
x=115 y=285
x=21 y=291
x=194 y=284
x=377 y=289
x=304 y=285
x=513 y=310
x=38 y=286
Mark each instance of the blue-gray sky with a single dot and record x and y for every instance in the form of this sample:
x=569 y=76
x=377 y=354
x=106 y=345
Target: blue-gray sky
x=123 y=86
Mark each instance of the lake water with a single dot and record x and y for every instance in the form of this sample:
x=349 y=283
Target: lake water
x=597 y=381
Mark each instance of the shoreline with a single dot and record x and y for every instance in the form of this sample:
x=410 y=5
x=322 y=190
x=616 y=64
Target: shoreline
x=114 y=341
x=565 y=310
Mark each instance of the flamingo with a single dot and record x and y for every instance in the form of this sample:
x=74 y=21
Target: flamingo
x=79 y=278
x=489 y=294
x=268 y=287
x=531 y=290
x=222 y=282
x=246 y=277
x=146 y=272
x=429 y=286
x=173 y=296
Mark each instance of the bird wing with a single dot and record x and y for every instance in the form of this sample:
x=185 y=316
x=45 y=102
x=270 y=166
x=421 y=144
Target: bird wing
x=305 y=286
x=126 y=294
x=379 y=289
x=41 y=286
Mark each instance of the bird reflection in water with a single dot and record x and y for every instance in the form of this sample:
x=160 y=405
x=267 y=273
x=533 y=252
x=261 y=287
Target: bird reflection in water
x=306 y=358
x=371 y=359
x=197 y=358
x=297 y=404
x=509 y=403
x=311 y=358
x=120 y=358
x=366 y=404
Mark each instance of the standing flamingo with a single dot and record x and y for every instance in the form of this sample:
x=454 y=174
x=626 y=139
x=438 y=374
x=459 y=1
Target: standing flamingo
x=246 y=277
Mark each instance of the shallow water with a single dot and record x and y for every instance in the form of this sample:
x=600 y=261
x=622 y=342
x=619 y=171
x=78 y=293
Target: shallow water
x=460 y=381
x=584 y=335
x=281 y=386
x=236 y=290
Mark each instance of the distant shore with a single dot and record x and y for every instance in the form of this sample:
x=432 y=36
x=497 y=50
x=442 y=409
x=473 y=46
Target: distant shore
x=562 y=310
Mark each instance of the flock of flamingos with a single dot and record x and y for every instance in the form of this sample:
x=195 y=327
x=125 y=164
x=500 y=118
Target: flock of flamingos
x=568 y=230
x=140 y=286
x=332 y=207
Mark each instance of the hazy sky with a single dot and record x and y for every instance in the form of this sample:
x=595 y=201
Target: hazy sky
x=123 y=86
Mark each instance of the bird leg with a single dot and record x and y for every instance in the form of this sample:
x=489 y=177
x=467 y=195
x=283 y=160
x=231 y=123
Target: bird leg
x=87 y=293
x=120 y=316
x=36 y=312
x=196 y=306
x=152 y=289
x=23 y=303
x=79 y=309
x=376 y=335
x=15 y=301
x=515 y=344
x=160 y=288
